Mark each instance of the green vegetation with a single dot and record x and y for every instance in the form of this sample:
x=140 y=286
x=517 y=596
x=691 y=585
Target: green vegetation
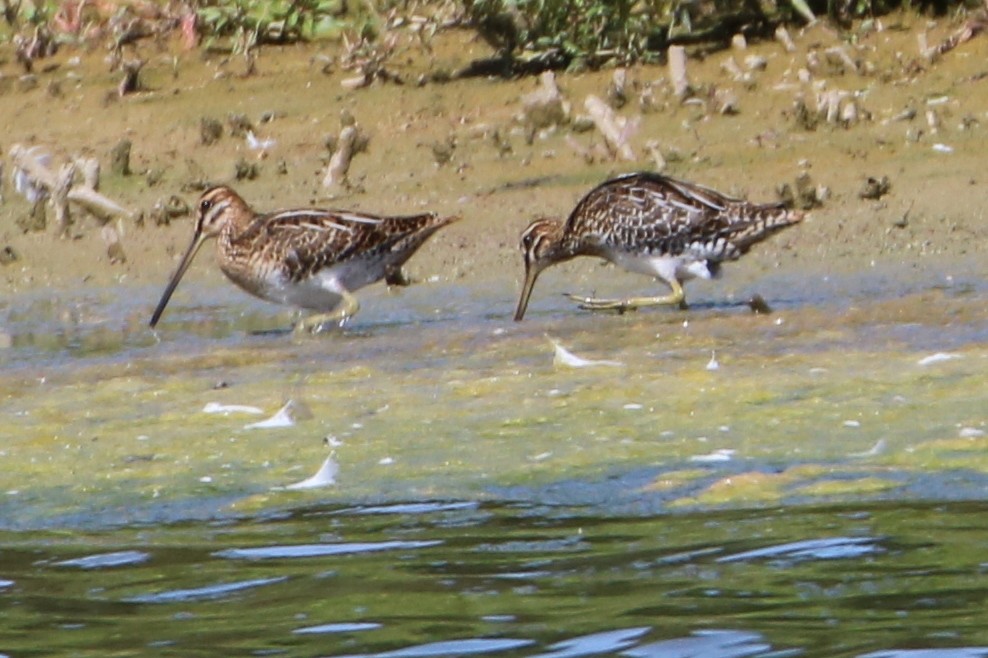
x=578 y=28
x=273 y=21
x=555 y=32
x=640 y=30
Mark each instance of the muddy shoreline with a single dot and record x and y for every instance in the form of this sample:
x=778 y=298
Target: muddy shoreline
x=931 y=217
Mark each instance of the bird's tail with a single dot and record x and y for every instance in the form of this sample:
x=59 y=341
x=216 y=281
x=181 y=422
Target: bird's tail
x=763 y=223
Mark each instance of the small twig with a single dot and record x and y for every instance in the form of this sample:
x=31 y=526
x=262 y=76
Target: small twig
x=616 y=130
x=131 y=81
x=60 y=198
x=677 y=72
x=350 y=142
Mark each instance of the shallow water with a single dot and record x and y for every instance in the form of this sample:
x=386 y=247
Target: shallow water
x=807 y=482
x=457 y=578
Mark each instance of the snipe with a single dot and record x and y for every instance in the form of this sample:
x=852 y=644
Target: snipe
x=308 y=258
x=651 y=224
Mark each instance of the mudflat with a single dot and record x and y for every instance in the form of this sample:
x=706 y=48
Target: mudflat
x=460 y=147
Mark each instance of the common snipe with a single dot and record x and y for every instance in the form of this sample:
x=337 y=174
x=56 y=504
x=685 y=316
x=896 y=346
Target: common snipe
x=308 y=258
x=654 y=225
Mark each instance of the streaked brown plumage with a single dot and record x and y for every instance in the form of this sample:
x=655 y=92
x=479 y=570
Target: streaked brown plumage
x=651 y=224
x=308 y=258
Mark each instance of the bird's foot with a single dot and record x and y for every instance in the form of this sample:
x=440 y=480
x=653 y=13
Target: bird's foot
x=315 y=324
x=339 y=316
x=619 y=306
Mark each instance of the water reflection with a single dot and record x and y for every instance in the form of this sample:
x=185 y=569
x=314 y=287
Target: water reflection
x=351 y=627
x=712 y=643
x=318 y=550
x=595 y=643
x=833 y=548
x=466 y=647
x=208 y=592
x=967 y=652
x=456 y=578
x=106 y=560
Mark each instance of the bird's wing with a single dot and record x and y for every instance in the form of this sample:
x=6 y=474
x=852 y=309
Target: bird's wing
x=306 y=240
x=649 y=210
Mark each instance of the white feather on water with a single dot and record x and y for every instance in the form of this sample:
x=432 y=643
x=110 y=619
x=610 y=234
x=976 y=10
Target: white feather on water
x=227 y=409
x=563 y=357
x=937 y=358
x=325 y=476
x=719 y=455
x=284 y=417
x=877 y=449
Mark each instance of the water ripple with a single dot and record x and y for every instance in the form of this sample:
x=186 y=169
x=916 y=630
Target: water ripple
x=833 y=548
x=595 y=643
x=347 y=627
x=960 y=652
x=451 y=648
x=318 y=550
x=202 y=593
x=705 y=644
x=106 y=560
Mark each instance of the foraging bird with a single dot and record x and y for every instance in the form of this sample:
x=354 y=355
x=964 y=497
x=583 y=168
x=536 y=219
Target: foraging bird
x=308 y=258
x=651 y=224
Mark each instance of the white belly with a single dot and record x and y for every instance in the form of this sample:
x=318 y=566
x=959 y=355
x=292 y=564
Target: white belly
x=321 y=292
x=668 y=268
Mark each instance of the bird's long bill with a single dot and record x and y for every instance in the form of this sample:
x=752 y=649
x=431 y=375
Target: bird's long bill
x=197 y=241
x=531 y=274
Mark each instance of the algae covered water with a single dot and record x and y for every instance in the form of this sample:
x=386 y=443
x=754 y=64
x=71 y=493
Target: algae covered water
x=715 y=483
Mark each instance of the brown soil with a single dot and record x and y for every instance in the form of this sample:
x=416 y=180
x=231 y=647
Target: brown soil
x=934 y=211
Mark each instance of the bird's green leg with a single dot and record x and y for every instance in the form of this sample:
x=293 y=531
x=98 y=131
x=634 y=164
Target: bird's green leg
x=676 y=298
x=345 y=310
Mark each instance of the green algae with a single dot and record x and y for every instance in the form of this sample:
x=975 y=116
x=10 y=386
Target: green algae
x=452 y=412
x=846 y=488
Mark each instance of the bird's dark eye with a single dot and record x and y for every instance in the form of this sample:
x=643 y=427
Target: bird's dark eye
x=205 y=205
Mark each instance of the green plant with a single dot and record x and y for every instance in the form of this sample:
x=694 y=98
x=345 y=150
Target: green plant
x=271 y=21
x=580 y=28
x=27 y=11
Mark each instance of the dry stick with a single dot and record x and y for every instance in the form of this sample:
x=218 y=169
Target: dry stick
x=60 y=198
x=655 y=151
x=84 y=195
x=924 y=48
x=96 y=203
x=131 y=80
x=677 y=72
x=968 y=31
x=730 y=66
x=614 y=129
x=544 y=107
x=841 y=53
x=849 y=114
x=581 y=150
x=339 y=163
x=782 y=36
x=25 y=160
x=90 y=171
